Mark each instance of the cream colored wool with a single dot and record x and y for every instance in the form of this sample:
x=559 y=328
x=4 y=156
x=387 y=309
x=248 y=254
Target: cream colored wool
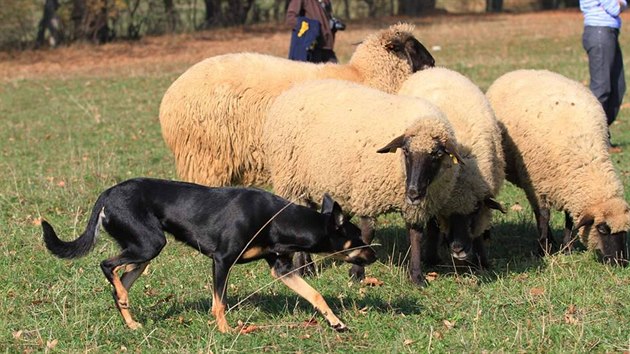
x=329 y=144
x=555 y=141
x=212 y=115
x=478 y=137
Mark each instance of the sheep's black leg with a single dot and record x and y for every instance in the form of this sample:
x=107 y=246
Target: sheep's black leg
x=430 y=248
x=567 y=239
x=304 y=264
x=366 y=225
x=415 y=262
x=479 y=247
x=545 y=239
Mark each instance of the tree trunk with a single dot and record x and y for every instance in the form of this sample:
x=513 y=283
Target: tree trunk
x=209 y=18
x=49 y=21
x=172 y=17
x=414 y=7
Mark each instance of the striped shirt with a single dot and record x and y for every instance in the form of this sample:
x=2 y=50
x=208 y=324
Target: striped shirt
x=603 y=13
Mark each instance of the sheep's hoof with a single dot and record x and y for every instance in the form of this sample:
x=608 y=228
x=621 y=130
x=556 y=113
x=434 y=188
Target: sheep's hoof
x=419 y=280
x=307 y=270
x=357 y=273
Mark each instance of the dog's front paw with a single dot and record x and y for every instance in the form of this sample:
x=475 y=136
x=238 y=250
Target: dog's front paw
x=340 y=327
x=134 y=325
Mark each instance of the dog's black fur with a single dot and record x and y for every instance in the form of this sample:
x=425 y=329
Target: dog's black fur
x=231 y=225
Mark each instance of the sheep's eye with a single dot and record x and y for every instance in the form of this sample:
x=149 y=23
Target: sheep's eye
x=438 y=153
x=603 y=229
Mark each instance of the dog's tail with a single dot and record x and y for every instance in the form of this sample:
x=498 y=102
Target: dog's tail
x=82 y=245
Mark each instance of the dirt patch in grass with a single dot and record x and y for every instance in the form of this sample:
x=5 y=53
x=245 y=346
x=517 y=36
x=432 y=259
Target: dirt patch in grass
x=174 y=53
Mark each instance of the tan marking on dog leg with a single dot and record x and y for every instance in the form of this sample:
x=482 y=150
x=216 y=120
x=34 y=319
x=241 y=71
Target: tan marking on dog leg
x=347 y=245
x=218 y=311
x=302 y=288
x=122 y=300
x=252 y=252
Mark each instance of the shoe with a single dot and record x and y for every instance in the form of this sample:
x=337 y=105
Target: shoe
x=614 y=149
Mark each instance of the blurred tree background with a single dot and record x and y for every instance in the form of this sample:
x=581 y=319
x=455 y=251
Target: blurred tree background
x=38 y=23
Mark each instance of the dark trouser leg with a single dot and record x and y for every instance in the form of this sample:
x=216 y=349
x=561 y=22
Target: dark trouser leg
x=366 y=225
x=605 y=68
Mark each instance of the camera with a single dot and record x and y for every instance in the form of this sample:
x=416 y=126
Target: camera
x=337 y=25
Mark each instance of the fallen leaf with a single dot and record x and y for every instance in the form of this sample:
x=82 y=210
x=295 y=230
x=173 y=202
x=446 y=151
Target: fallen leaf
x=363 y=310
x=408 y=342
x=17 y=334
x=36 y=221
x=123 y=348
x=248 y=329
x=570 y=316
x=431 y=276
x=448 y=324
x=371 y=281
x=61 y=184
x=516 y=207
x=536 y=291
x=309 y=323
x=306 y=336
x=437 y=335
x=51 y=344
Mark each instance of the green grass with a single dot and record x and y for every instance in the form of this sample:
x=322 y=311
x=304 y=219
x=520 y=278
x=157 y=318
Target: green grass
x=63 y=141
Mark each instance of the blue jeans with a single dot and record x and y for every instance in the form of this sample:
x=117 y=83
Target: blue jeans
x=605 y=65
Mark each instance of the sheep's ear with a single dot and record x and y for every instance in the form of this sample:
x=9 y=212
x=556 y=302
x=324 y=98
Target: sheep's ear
x=412 y=51
x=397 y=143
x=451 y=150
x=586 y=220
x=331 y=207
x=493 y=204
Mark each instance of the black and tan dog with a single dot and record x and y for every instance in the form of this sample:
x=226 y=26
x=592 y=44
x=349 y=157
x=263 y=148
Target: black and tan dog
x=231 y=225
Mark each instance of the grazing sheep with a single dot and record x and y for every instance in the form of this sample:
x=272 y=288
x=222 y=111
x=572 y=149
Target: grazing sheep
x=325 y=135
x=212 y=115
x=466 y=214
x=555 y=142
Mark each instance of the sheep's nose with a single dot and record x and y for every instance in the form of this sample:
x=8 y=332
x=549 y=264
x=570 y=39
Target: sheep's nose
x=457 y=247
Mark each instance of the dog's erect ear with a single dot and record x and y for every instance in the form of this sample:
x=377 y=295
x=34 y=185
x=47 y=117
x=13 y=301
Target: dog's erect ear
x=452 y=151
x=493 y=204
x=397 y=143
x=411 y=50
x=586 y=220
x=332 y=208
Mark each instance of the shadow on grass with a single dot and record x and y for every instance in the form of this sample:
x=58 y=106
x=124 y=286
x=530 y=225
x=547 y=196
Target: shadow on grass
x=283 y=304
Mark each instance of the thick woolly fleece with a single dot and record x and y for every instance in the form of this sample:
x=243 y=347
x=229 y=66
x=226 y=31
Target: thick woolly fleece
x=212 y=115
x=478 y=137
x=322 y=136
x=555 y=142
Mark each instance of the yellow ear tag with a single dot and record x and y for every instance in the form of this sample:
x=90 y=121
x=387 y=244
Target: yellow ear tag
x=303 y=29
x=455 y=161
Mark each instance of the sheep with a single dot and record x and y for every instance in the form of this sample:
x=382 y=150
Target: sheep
x=466 y=215
x=324 y=135
x=212 y=115
x=555 y=140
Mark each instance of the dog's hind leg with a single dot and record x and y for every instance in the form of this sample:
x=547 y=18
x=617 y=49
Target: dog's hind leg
x=281 y=269
x=221 y=268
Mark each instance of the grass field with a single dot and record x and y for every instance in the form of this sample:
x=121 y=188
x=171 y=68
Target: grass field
x=78 y=120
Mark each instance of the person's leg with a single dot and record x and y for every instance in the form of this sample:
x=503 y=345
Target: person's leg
x=600 y=45
x=617 y=77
